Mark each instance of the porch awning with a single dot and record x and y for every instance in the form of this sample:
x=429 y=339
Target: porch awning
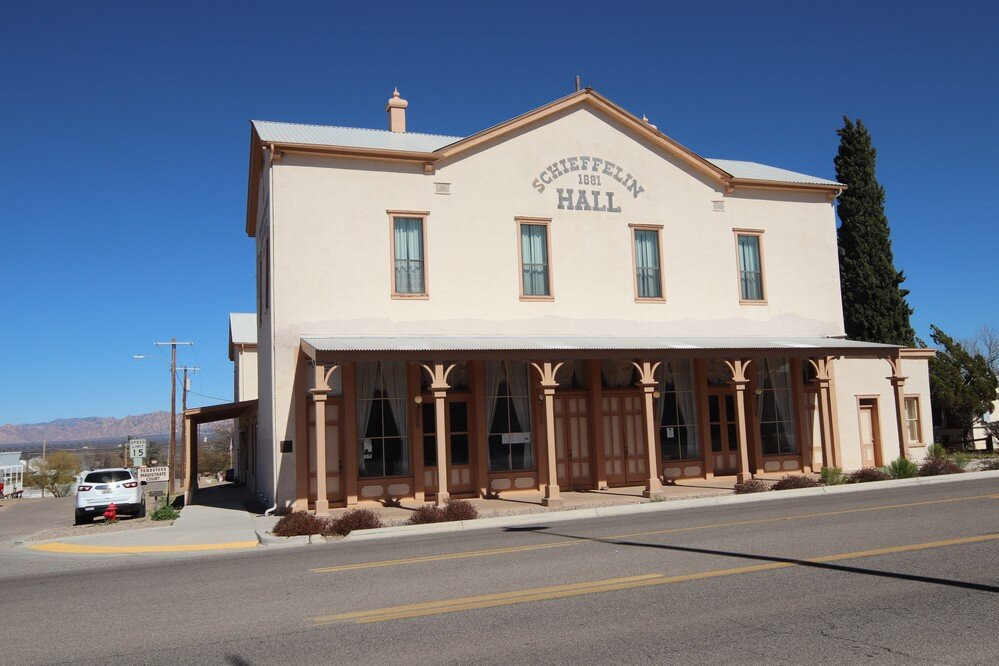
x=223 y=412
x=354 y=347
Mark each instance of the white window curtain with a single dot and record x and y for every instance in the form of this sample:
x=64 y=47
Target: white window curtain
x=750 y=273
x=647 y=263
x=777 y=372
x=534 y=257
x=493 y=376
x=617 y=373
x=682 y=373
x=394 y=378
x=367 y=380
x=516 y=377
x=409 y=255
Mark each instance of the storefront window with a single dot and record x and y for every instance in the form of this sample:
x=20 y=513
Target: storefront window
x=678 y=412
x=381 y=414
x=508 y=413
x=775 y=407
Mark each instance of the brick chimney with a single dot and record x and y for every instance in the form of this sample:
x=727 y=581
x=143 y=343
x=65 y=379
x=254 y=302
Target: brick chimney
x=396 y=108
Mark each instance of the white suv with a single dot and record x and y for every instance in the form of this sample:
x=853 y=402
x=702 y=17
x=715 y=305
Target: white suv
x=102 y=487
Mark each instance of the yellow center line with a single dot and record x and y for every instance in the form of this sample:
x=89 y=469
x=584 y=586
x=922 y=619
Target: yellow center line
x=610 y=585
x=584 y=540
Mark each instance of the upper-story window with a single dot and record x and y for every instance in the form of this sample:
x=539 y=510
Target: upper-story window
x=648 y=263
x=913 y=422
x=535 y=283
x=409 y=269
x=751 y=288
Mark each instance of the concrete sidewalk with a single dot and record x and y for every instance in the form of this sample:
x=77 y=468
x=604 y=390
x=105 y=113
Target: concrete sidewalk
x=220 y=521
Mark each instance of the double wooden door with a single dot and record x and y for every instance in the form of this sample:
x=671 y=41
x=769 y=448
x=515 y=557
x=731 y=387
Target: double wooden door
x=869 y=433
x=724 y=431
x=624 y=448
x=572 y=440
x=458 y=445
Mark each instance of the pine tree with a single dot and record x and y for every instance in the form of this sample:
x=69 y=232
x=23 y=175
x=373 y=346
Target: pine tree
x=874 y=303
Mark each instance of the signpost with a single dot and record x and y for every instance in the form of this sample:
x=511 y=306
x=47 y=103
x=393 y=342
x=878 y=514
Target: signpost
x=137 y=450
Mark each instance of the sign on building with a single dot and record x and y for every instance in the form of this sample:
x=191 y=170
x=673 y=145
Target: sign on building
x=150 y=474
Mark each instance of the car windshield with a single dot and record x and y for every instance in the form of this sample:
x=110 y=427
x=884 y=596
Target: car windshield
x=108 y=476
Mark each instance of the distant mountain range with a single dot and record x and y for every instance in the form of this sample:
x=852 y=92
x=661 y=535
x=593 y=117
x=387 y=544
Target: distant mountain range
x=90 y=428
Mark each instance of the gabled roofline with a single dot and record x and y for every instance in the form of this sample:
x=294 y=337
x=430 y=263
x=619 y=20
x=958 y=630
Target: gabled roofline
x=586 y=96
x=591 y=98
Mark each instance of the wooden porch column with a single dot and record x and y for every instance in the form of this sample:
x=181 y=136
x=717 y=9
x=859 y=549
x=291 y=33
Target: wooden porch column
x=191 y=482
x=319 y=395
x=647 y=380
x=438 y=384
x=821 y=366
x=898 y=388
x=703 y=420
x=739 y=380
x=798 y=407
x=547 y=371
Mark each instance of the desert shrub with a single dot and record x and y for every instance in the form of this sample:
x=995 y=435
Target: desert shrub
x=832 y=476
x=990 y=465
x=453 y=510
x=751 y=486
x=460 y=510
x=357 y=519
x=936 y=451
x=299 y=523
x=165 y=512
x=792 y=481
x=428 y=513
x=868 y=474
x=902 y=468
x=937 y=466
x=961 y=459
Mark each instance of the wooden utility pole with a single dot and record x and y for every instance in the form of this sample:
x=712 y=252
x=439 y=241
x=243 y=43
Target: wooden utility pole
x=45 y=472
x=183 y=408
x=173 y=405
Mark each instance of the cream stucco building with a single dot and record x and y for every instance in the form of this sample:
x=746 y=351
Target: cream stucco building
x=570 y=299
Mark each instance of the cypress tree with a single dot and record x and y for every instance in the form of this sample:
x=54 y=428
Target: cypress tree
x=874 y=303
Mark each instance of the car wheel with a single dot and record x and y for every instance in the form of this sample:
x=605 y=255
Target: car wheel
x=82 y=518
x=142 y=511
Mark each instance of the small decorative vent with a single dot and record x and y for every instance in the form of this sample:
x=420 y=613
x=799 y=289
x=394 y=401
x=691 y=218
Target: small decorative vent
x=442 y=188
x=718 y=206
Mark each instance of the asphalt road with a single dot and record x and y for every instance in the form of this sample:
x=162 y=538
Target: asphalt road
x=905 y=575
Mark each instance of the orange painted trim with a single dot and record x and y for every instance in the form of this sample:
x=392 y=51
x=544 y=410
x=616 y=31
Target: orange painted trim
x=546 y=222
x=635 y=228
x=879 y=455
x=417 y=215
x=738 y=266
x=911 y=353
x=919 y=418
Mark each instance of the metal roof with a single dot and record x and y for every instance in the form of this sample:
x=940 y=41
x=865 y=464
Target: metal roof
x=10 y=458
x=350 y=137
x=493 y=343
x=243 y=328
x=757 y=171
x=358 y=137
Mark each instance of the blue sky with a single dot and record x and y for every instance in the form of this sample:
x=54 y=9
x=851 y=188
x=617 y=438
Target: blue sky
x=123 y=178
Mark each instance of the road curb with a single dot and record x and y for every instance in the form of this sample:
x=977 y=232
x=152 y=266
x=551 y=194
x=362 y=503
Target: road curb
x=654 y=507
x=64 y=548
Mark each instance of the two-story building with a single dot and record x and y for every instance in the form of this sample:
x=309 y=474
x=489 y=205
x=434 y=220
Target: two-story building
x=567 y=300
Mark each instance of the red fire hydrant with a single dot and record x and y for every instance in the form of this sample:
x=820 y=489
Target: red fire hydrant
x=111 y=513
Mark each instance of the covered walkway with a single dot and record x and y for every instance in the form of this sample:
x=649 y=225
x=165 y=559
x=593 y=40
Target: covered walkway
x=197 y=416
